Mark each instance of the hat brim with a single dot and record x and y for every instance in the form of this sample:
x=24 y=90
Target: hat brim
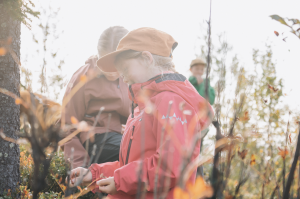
x=107 y=62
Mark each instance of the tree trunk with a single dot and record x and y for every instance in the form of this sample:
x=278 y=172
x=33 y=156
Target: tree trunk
x=9 y=111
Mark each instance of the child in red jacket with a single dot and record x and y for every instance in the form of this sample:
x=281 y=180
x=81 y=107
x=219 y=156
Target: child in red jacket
x=160 y=131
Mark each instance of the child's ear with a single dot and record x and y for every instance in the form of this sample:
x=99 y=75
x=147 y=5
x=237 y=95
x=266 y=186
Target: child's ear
x=147 y=56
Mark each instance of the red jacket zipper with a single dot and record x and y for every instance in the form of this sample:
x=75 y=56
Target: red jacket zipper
x=129 y=145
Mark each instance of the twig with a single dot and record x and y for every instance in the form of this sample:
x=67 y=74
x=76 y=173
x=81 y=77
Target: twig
x=72 y=158
x=168 y=179
x=208 y=55
x=216 y=182
x=69 y=137
x=88 y=135
x=298 y=188
x=92 y=156
x=242 y=180
x=69 y=97
x=104 y=139
x=160 y=150
x=292 y=170
x=277 y=185
x=140 y=172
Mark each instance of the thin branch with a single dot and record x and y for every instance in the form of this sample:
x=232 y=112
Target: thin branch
x=292 y=170
x=160 y=150
x=104 y=139
x=88 y=135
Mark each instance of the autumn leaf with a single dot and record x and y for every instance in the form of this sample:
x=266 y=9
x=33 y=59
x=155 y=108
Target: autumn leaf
x=243 y=154
x=74 y=120
x=200 y=189
x=2 y=51
x=245 y=117
x=83 y=78
x=272 y=88
x=279 y=19
x=180 y=194
x=252 y=161
x=8 y=193
x=276 y=33
x=18 y=101
x=282 y=152
x=290 y=138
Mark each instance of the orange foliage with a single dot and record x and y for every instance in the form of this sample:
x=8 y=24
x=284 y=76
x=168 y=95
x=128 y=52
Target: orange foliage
x=194 y=191
x=2 y=51
x=74 y=120
x=283 y=152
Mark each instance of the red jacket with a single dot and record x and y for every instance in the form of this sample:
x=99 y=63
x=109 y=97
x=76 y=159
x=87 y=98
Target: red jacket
x=143 y=134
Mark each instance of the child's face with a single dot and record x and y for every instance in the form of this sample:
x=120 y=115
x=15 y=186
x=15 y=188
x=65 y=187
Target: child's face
x=132 y=71
x=197 y=70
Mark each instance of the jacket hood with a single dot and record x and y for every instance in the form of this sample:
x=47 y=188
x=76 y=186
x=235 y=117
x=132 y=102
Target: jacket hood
x=170 y=82
x=92 y=60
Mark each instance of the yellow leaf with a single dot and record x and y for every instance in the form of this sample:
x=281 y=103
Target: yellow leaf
x=180 y=194
x=18 y=101
x=2 y=51
x=261 y=150
x=83 y=78
x=74 y=120
x=200 y=189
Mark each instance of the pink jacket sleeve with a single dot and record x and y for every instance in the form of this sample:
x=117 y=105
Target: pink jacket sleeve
x=126 y=177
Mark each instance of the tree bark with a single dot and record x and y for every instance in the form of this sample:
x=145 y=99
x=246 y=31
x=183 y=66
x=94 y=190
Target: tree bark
x=9 y=111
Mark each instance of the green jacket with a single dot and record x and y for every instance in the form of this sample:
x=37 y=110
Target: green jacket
x=201 y=89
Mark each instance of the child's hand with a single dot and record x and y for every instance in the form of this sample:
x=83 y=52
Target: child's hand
x=80 y=174
x=107 y=185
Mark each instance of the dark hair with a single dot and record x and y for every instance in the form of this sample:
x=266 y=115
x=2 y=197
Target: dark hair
x=109 y=39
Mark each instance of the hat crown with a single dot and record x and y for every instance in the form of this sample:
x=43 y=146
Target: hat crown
x=198 y=61
x=148 y=39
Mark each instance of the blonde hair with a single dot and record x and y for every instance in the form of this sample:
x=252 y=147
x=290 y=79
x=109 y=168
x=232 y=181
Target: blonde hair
x=160 y=62
x=109 y=39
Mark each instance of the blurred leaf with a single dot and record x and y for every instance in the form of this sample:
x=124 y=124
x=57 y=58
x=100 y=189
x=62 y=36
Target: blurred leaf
x=252 y=161
x=200 y=189
x=180 y=194
x=279 y=19
x=283 y=152
x=243 y=154
x=18 y=101
x=74 y=120
x=83 y=78
x=276 y=33
x=2 y=51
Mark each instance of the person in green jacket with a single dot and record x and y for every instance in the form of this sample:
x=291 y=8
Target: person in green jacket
x=197 y=67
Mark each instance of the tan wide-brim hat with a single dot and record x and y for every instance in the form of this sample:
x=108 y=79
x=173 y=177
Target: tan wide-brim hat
x=142 y=39
x=198 y=61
